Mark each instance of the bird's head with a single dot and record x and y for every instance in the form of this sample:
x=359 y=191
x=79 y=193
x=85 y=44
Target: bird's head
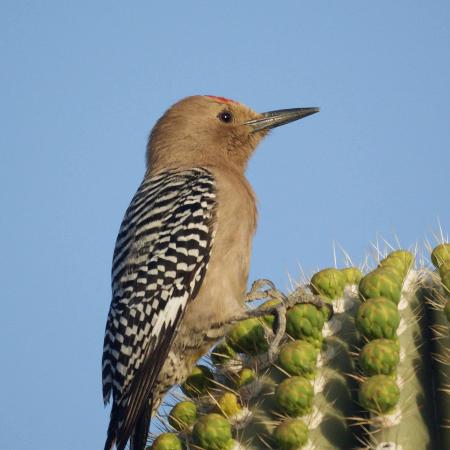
x=205 y=130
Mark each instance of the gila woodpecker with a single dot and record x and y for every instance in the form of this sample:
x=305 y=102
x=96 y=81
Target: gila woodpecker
x=181 y=259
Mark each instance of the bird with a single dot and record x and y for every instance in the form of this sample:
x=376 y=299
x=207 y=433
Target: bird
x=182 y=255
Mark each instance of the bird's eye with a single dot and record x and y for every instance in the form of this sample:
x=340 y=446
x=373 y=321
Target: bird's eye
x=225 y=116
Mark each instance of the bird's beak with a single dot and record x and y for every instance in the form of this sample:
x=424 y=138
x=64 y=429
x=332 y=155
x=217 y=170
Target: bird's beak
x=280 y=117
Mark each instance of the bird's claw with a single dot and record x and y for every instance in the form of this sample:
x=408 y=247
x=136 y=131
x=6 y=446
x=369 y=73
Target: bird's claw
x=280 y=325
x=265 y=289
x=257 y=291
x=302 y=295
x=298 y=296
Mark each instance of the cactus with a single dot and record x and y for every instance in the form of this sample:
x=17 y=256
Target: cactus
x=444 y=273
x=199 y=382
x=400 y=260
x=213 y=432
x=229 y=405
x=223 y=353
x=329 y=283
x=446 y=310
x=167 y=441
x=305 y=322
x=439 y=317
x=299 y=358
x=440 y=255
x=382 y=282
x=379 y=357
x=248 y=336
x=352 y=275
x=183 y=415
x=245 y=376
x=291 y=434
x=397 y=399
x=378 y=317
x=359 y=378
x=379 y=394
x=294 y=396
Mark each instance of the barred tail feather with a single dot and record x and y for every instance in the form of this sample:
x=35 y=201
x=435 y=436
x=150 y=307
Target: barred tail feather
x=118 y=437
x=111 y=435
x=139 y=436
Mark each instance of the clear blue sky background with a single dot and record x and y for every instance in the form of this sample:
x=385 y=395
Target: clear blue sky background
x=81 y=84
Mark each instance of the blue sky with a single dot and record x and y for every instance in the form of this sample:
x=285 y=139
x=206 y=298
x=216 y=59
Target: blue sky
x=81 y=84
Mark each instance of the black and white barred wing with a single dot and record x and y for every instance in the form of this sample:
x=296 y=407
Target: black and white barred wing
x=160 y=259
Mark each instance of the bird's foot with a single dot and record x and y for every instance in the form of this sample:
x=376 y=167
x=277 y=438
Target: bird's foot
x=257 y=291
x=265 y=290
x=298 y=296
x=303 y=295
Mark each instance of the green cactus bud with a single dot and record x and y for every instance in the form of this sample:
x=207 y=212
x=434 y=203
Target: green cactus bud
x=229 y=404
x=329 y=283
x=248 y=337
x=198 y=382
x=327 y=311
x=402 y=260
x=444 y=267
x=291 y=434
x=440 y=255
x=444 y=271
x=394 y=271
x=222 y=353
x=245 y=376
x=305 y=321
x=299 y=358
x=447 y=310
x=379 y=394
x=381 y=283
x=380 y=356
x=404 y=255
x=294 y=396
x=352 y=275
x=213 y=432
x=167 y=441
x=183 y=415
x=378 y=318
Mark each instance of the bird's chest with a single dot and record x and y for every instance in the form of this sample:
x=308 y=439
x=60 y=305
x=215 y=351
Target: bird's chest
x=236 y=224
x=222 y=293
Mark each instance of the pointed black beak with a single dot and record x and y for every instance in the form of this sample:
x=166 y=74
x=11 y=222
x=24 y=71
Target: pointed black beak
x=274 y=119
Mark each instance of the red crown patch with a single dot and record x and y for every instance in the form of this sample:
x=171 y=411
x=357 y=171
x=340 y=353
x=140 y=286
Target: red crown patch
x=221 y=99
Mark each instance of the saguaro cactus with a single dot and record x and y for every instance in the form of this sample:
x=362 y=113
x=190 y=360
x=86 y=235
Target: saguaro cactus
x=355 y=378
x=439 y=319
